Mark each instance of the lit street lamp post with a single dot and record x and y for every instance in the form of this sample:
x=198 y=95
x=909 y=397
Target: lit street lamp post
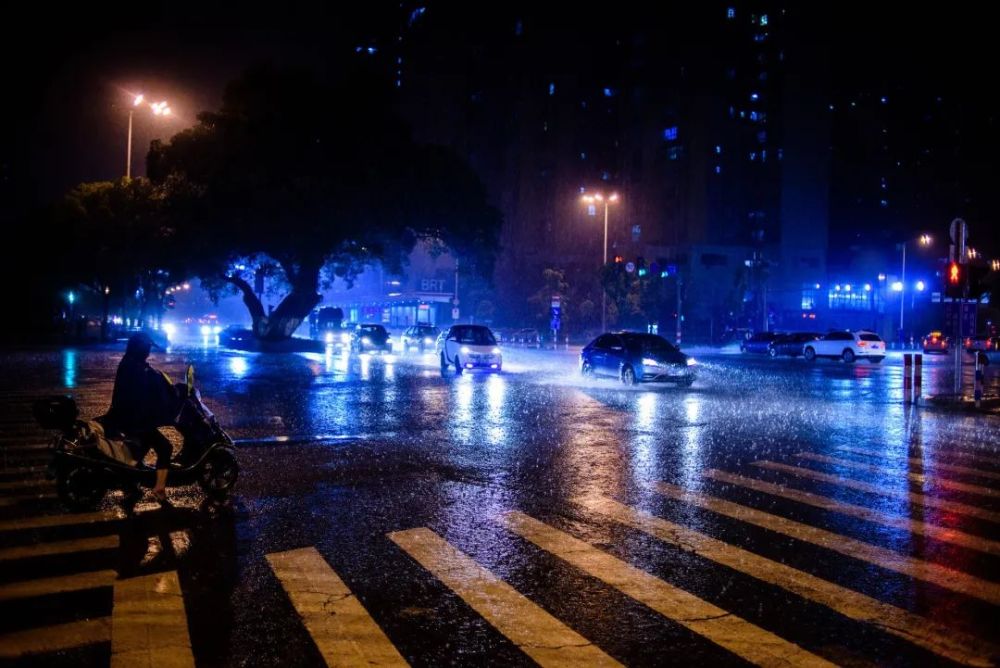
x=589 y=201
x=159 y=109
x=925 y=240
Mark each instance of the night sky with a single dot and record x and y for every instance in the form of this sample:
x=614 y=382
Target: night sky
x=69 y=72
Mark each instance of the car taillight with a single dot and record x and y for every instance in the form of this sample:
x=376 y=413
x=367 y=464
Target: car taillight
x=862 y=344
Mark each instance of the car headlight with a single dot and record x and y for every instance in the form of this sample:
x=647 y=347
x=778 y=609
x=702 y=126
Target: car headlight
x=205 y=330
x=365 y=339
x=691 y=361
x=428 y=340
x=329 y=337
x=216 y=329
x=496 y=351
x=464 y=349
x=646 y=361
x=345 y=338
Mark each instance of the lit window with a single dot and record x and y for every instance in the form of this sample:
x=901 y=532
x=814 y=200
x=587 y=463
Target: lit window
x=718 y=169
x=884 y=203
x=754 y=97
x=605 y=176
x=552 y=88
x=763 y=20
x=609 y=92
x=753 y=155
x=636 y=232
x=718 y=149
x=731 y=13
x=670 y=134
x=884 y=100
x=753 y=115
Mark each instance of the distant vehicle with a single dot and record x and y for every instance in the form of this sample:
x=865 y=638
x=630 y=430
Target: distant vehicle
x=421 y=337
x=528 y=336
x=792 y=344
x=936 y=342
x=467 y=347
x=758 y=343
x=326 y=325
x=235 y=336
x=371 y=338
x=987 y=348
x=636 y=358
x=847 y=346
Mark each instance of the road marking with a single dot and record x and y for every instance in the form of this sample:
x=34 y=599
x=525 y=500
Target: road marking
x=22 y=470
x=26 y=484
x=918 y=478
x=942 y=576
x=148 y=624
x=932 y=465
x=537 y=633
x=943 y=534
x=342 y=629
x=914 y=498
x=68 y=519
x=60 y=547
x=55 y=638
x=746 y=640
x=918 y=630
x=56 y=585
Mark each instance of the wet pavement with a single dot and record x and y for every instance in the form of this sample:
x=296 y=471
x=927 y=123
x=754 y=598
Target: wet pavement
x=776 y=512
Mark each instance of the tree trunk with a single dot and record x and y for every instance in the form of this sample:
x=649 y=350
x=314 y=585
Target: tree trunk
x=293 y=309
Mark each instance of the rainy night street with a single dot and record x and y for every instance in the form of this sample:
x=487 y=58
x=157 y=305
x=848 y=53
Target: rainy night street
x=389 y=513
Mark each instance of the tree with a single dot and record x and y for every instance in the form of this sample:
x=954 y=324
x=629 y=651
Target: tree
x=313 y=178
x=553 y=284
x=113 y=237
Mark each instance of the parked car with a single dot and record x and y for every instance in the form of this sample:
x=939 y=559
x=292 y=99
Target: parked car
x=421 y=337
x=371 y=338
x=847 y=346
x=634 y=357
x=936 y=342
x=758 y=343
x=987 y=348
x=467 y=347
x=791 y=344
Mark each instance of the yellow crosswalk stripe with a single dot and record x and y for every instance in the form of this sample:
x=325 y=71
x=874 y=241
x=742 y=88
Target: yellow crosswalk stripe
x=537 y=633
x=942 y=576
x=342 y=629
x=918 y=478
x=914 y=498
x=59 y=547
x=56 y=585
x=941 y=640
x=934 y=531
x=931 y=464
x=19 y=644
x=745 y=640
x=68 y=519
x=148 y=623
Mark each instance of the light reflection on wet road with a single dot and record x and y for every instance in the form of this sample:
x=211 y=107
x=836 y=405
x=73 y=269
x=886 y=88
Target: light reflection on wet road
x=339 y=450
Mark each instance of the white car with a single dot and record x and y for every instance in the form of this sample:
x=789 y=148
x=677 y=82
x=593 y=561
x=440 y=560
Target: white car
x=847 y=346
x=469 y=347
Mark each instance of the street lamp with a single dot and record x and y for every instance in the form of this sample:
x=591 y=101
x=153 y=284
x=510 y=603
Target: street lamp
x=925 y=240
x=159 y=109
x=589 y=200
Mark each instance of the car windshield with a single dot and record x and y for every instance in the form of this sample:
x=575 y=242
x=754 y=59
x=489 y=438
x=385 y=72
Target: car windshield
x=372 y=329
x=869 y=337
x=648 y=343
x=476 y=336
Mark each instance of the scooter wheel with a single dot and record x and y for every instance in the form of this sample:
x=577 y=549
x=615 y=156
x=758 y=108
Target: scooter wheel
x=219 y=473
x=80 y=488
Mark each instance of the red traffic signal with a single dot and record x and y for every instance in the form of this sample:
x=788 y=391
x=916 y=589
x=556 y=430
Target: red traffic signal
x=954 y=280
x=954 y=274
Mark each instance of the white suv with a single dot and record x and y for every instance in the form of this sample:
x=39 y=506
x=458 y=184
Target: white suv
x=847 y=346
x=469 y=347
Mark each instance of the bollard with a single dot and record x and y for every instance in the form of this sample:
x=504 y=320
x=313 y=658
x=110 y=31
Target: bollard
x=978 y=393
x=907 y=378
x=918 y=376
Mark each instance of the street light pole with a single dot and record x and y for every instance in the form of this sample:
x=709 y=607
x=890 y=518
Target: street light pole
x=128 y=154
x=604 y=296
x=902 y=300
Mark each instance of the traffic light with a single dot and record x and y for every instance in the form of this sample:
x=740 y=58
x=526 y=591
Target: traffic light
x=640 y=265
x=954 y=280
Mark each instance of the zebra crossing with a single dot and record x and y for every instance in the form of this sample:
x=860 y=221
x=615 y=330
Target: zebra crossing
x=145 y=620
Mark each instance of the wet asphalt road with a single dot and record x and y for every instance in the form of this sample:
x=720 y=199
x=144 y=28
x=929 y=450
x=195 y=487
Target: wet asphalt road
x=775 y=512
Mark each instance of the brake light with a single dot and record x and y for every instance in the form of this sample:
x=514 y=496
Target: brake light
x=862 y=344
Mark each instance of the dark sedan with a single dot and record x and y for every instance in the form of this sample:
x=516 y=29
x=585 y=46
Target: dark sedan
x=791 y=344
x=636 y=358
x=370 y=337
x=758 y=343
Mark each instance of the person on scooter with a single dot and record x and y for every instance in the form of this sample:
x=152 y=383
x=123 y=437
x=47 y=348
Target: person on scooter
x=143 y=399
